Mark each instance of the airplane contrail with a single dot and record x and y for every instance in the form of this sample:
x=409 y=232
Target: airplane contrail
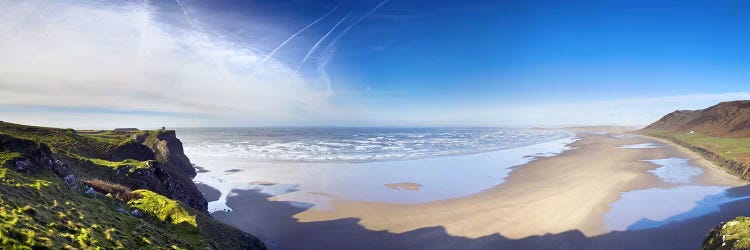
x=315 y=46
x=359 y=20
x=294 y=35
x=330 y=50
x=184 y=12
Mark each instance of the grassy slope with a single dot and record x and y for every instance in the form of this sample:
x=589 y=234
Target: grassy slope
x=91 y=146
x=39 y=210
x=737 y=149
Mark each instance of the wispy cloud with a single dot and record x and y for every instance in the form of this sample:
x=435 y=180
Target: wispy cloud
x=315 y=46
x=273 y=52
x=184 y=12
x=120 y=56
x=330 y=50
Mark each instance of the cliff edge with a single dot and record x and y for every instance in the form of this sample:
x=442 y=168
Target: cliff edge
x=61 y=188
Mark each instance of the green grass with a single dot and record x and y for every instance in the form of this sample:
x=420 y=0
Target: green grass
x=163 y=208
x=41 y=211
x=7 y=156
x=737 y=149
x=117 y=164
x=737 y=233
x=65 y=141
x=111 y=137
x=89 y=144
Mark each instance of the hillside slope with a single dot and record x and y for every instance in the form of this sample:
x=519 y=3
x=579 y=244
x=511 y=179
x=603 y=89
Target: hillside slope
x=61 y=188
x=726 y=119
x=720 y=133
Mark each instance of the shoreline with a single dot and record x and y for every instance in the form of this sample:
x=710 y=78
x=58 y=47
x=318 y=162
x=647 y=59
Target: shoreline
x=698 y=158
x=368 y=181
x=522 y=206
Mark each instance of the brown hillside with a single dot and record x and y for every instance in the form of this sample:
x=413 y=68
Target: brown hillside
x=726 y=119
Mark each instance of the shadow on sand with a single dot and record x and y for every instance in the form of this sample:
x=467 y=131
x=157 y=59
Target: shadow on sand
x=272 y=221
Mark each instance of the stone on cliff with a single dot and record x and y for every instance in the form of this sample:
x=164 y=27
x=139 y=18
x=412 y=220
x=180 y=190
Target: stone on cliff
x=23 y=166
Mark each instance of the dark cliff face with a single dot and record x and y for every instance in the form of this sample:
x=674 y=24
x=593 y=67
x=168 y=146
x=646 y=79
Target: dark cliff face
x=726 y=119
x=171 y=174
x=30 y=151
x=169 y=149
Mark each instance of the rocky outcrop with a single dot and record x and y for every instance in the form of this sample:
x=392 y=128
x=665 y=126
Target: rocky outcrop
x=168 y=149
x=734 y=234
x=133 y=150
x=171 y=174
x=29 y=151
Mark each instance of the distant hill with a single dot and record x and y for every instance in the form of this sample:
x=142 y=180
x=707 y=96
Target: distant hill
x=726 y=119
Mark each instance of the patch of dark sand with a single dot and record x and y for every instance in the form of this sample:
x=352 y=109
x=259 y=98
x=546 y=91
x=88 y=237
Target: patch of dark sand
x=322 y=194
x=409 y=186
x=273 y=222
x=199 y=169
x=210 y=193
x=231 y=171
x=263 y=183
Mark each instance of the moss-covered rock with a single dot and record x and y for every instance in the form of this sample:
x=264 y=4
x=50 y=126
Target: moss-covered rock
x=734 y=234
x=163 y=208
x=39 y=209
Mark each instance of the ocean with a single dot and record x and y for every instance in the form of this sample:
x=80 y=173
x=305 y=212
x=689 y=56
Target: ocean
x=355 y=144
x=360 y=163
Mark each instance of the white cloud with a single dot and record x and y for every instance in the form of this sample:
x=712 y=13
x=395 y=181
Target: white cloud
x=627 y=111
x=121 y=57
x=624 y=111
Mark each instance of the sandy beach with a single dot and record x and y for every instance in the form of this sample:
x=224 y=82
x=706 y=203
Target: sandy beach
x=576 y=197
x=571 y=191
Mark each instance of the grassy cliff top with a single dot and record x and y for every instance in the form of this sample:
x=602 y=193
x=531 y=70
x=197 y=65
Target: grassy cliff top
x=90 y=144
x=737 y=149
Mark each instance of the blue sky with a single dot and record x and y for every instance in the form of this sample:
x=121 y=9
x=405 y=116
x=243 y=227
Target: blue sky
x=404 y=63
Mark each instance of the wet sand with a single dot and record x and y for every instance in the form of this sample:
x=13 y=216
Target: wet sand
x=571 y=191
x=563 y=197
x=272 y=222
